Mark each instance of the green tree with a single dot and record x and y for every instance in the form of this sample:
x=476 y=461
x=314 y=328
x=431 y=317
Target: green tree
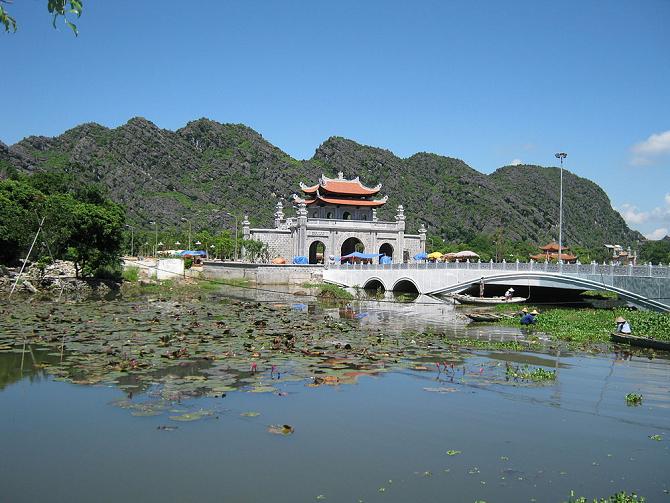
x=655 y=251
x=58 y=8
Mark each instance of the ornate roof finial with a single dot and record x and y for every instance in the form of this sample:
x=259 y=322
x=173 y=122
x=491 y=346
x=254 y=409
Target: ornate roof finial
x=340 y=175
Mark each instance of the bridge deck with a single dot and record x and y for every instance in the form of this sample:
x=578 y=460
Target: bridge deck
x=646 y=285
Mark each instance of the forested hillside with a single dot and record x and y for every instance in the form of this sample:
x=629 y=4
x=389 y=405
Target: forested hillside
x=208 y=171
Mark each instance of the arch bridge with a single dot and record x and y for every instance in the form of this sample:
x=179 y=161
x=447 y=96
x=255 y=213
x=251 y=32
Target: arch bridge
x=646 y=286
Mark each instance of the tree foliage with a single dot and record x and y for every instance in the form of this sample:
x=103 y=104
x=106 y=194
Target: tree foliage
x=57 y=8
x=80 y=224
x=656 y=251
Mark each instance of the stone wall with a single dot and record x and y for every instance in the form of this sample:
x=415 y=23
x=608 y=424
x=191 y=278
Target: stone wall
x=263 y=274
x=279 y=242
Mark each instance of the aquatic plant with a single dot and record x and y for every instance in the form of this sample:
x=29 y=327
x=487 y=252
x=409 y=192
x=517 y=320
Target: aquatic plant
x=622 y=497
x=524 y=373
x=329 y=291
x=592 y=325
x=633 y=399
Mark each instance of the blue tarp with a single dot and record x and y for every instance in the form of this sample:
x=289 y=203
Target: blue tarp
x=421 y=256
x=193 y=253
x=361 y=255
x=385 y=260
x=300 y=260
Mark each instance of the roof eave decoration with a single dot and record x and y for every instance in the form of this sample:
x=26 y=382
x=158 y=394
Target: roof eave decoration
x=309 y=189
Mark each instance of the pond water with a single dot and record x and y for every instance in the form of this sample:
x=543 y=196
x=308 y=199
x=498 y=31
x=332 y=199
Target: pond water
x=184 y=399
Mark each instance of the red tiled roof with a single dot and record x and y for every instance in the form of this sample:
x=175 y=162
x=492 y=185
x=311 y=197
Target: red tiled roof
x=345 y=201
x=552 y=247
x=566 y=257
x=340 y=186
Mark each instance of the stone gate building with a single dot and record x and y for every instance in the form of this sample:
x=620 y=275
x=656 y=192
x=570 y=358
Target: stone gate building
x=335 y=218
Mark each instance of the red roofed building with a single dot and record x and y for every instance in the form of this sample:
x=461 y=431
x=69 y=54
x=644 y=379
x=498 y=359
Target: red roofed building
x=550 y=253
x=337 y=198
x=336 y=217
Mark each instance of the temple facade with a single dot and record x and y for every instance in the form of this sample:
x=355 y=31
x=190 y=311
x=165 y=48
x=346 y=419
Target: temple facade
x=334 y=218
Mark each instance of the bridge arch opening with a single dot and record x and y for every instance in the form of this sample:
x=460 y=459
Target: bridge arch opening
x=317 y=252
x=352 y=245
x=405 y=286
x=386 y=249
x=375 y=285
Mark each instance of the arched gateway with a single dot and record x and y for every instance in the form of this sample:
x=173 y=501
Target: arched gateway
x=339 y=215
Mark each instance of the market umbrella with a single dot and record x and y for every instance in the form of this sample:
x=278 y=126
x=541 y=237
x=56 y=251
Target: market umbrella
x=434 y=255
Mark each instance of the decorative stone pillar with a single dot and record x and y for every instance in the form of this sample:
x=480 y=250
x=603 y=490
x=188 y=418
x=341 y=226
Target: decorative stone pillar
x=422 y=238
x=246 y=231
x=301 y=227
x=400 y=228
x=279 y=214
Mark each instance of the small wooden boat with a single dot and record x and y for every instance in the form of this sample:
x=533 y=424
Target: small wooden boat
x=484 y=317
x=642 y=342
x=485 y=301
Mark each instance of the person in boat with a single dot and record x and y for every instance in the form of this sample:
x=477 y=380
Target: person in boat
x=622 y=326
x=529 y=318
x=481 y=287
x=509 y=293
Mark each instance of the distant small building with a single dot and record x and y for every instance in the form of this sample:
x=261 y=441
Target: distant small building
x=621 y=256
x=550 y=253
x=336 y=217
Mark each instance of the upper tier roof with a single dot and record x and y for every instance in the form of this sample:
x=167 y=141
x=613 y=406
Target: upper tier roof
x=552 y=247
x=340 y=186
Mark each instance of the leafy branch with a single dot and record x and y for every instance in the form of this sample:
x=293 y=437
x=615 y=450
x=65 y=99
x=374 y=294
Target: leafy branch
x=58 y=8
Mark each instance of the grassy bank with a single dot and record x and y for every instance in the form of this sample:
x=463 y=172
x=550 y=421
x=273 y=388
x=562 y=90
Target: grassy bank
x=593 y=325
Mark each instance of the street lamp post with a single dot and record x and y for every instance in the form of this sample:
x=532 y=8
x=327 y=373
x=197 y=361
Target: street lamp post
x=561 y=156
x=155 y=224
x=235 y=217
x=132 y=239
x=184 y=219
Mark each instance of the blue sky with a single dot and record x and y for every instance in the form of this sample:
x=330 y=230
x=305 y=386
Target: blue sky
x=488 y=82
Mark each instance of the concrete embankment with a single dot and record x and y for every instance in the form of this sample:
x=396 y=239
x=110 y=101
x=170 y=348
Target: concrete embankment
x=263 y=274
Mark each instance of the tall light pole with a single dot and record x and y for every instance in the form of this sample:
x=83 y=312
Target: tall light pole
x=132 y=239
x=561 y=156
x=183 y=219
x=235 y=217
x=155 y=224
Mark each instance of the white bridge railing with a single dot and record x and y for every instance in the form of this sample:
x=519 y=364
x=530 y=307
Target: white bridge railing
x=646 y=271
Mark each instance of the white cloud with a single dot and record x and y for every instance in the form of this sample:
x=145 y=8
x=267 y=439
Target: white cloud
x=658 y=218
x=659 y=233
x=516 y=162
x=650 y=150
x=631 y=214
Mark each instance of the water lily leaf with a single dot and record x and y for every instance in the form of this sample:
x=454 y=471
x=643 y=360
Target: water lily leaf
x=192 y=416
x=250 y=414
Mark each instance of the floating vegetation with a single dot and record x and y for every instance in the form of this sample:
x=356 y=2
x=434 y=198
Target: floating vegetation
x=524 y=373
x=622 y=497
x=593 y=325
x=250 y=414
x=658 y=438
x=633 y=399
x=451 y=452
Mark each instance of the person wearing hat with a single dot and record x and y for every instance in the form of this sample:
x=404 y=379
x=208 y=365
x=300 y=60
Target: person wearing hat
x=509 y=293
x=529 y=318
x=523 y=312
x=622 y=326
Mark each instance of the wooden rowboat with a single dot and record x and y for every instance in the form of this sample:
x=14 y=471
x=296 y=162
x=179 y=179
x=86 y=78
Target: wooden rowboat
x=642 y=342
x=485 y=301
